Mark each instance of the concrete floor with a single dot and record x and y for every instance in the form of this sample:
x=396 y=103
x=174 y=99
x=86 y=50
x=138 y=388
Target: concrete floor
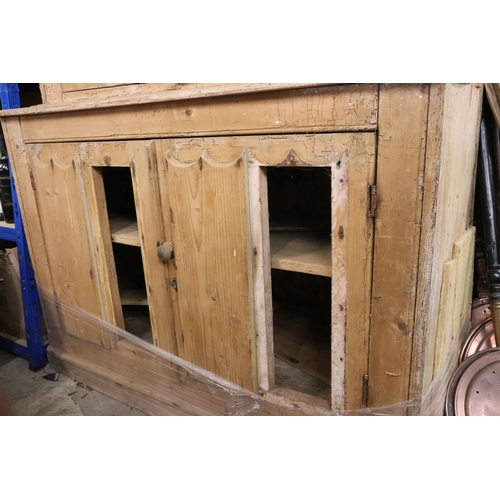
x=28 y=393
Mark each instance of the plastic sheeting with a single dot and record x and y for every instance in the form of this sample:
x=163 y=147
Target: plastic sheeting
x=158 y=379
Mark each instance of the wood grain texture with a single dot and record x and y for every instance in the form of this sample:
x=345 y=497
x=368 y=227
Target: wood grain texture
x=131 y=297
x=463 y=252
x=300 y=340
x=321 y=109
x=112 y=94
x=446 y=320
x=124 y=231
x=141 y=158
x=93 y=197
x=361 y=149
x=456 y=296
x=400 y=167
x=339 y=228
x=302 y=253
x=208 y=203
x=151 y=234
x=157 y=384
x=28 y=201
x=261 y=273
x=66 y=224
x=450 y=165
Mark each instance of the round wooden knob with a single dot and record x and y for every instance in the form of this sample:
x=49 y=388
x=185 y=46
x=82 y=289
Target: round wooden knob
x=165 y=252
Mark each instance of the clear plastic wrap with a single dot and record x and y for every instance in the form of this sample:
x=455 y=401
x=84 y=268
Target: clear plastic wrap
x=130 y=368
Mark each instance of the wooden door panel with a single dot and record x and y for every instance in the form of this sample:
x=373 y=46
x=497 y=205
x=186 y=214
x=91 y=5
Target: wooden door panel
x=209 y=219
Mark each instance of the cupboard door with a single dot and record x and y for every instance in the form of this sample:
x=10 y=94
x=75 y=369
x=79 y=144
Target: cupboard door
x=272 y=259
x=208 y=210
x=100 y=208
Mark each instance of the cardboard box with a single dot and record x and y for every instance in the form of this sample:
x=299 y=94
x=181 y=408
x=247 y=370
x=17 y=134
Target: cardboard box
x=11 y=304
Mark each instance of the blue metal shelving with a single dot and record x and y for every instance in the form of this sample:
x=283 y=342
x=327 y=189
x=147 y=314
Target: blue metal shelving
x=34 y=351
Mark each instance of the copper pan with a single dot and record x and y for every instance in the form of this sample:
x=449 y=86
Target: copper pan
x=474 y=388
x=480 y=338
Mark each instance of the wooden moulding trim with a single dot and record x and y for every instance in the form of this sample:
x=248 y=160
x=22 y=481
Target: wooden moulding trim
x=166 y=96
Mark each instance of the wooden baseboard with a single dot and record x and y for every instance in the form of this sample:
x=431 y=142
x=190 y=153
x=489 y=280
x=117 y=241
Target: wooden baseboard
x=174 y=398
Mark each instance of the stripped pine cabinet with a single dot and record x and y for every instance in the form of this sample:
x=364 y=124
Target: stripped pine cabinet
x=283 y=240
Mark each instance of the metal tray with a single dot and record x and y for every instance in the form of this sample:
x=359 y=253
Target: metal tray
x=474 y=388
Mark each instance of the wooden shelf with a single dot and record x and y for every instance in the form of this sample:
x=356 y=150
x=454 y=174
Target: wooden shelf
x=301 y=252
x=131 y=297
x=125 y=231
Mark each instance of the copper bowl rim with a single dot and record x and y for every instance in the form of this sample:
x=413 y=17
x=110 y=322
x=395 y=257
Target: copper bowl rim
x=470 y=338
x=450 y=409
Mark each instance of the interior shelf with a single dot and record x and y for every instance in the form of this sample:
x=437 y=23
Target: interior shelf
x=133 y=297
x=124 y=230
x=301 y=252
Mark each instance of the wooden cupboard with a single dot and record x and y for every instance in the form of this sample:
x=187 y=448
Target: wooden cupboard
x=289 y=240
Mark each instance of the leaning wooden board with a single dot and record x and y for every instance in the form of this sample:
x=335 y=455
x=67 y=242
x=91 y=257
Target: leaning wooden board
x=198 y=159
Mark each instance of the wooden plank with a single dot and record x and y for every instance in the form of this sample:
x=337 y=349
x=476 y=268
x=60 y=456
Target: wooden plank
x=28 y=202
x=450 y=164
x=446 y=318
x=93 y=196
x=463 y=252
x=151 y=232
x=110 y=92
x=213 y=266
x=301 y=252
x=298 y=402
x=300 y=341
x=124 y=231
x=322 y=109
x=76 y=87
x=400 y=165
x=456 y=296
x=339 y=229
x=261 y=272
x=131 y=297
x=68 y=235
x=142 y=94
x=361 y=171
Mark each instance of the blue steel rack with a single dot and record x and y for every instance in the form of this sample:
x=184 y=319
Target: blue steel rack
x=34 y=350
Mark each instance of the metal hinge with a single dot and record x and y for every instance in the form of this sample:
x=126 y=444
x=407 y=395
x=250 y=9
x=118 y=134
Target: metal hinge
x=365 y=391
x=372 y=201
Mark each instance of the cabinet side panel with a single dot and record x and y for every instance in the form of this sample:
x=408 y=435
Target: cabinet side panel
x=208 y=205
x=26 y=192
x=400 y=165
x=451 y=165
